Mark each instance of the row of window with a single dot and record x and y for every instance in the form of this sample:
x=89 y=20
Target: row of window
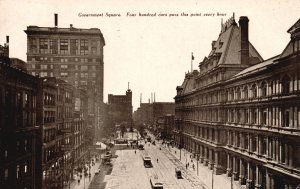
x=63 y=46
x=269 y=147
x=64 y=66
x=284 y=86
x=271 y=116
x=21 y=170
x=62 y=60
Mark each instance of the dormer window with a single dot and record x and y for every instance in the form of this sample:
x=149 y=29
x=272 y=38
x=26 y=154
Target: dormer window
x=220 y=44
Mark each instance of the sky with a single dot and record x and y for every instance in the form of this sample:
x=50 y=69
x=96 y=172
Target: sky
x=151 y=53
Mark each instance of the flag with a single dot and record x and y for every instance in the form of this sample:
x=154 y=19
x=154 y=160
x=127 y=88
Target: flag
x=193 y=57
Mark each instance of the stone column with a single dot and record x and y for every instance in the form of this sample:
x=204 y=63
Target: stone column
x=249 y=179
x=241 y=177
x=258 y=181
x=229 y=168
x=234 y=171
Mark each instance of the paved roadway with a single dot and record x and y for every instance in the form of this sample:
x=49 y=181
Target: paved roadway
x=129 y=172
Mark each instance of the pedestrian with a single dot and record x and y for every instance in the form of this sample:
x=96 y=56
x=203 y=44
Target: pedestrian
x=194 y=167
x=186 y=166
x=157 y=160
x=192 y=160
x=135 y=151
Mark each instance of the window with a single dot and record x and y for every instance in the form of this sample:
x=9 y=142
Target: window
x=44 y=74
x=84 y=47
x=33 y=45
x=25 y=167
x=263 y=89
x=264 y=117
x=286 y=118
x=6 y=174
x=246 y=92
x=53 y=47
x=44 y=67
x=254 y=143
x=64 y=66
x=64 y=74
x=18 y=171
x=25 y=145
x=64 y=46
x=286 y=85
x=254 y=91
x=238 y=94
x=84 y=68
x=44 y=46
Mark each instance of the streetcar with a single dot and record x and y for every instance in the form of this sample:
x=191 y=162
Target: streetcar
x=147 y=161
x=156 y=183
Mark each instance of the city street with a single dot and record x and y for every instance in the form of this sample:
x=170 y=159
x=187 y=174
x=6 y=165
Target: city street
x=129 y=171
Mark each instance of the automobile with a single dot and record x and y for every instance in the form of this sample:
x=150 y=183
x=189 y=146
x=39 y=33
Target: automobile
x=178 y=173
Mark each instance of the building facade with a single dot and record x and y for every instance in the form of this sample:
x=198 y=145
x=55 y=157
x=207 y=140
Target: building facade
x=149 y=113
x=239 y=114
x=18 y=129
x=120 y=108
x=71 y=54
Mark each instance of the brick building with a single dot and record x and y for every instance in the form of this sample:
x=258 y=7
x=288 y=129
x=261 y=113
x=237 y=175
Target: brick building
x=120 y=108
x=239 y=114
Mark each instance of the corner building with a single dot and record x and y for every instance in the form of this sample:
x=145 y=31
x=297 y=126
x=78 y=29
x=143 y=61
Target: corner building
x=71 y=54
x=240 y=115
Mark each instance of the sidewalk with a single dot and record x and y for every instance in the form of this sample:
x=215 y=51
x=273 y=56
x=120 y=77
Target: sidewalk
x=205 y=174
x=84 y=181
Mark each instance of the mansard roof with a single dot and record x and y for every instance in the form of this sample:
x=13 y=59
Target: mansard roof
x=189 y=83
x=295 y=33
x=227 y=46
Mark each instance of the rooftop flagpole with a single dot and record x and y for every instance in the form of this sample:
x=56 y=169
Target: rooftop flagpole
x=192 y=62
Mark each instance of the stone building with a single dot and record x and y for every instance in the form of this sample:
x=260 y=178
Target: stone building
x=239 y=114
x=71 y=54
x=18 y=129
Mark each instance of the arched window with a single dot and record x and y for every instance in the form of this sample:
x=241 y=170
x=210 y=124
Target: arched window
x=245 y=92
x=264 y=89
x=238 y=93
x=254 y=91
x=285 y=84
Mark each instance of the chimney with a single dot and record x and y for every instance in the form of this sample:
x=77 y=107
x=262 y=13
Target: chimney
x=71 y=25
x=7 y=39
x=55 y=20
x=154 y=97
x=151 y=97
x=243 y=22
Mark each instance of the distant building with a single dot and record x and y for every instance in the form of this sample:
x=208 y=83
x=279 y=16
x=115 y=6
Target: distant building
x=164 y=126
x=148 y=113
x=71 y=54
x=18 y=128
x=240 y=115
x=120 y=108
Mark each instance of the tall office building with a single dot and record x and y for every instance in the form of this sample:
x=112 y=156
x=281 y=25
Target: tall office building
x=72 y=54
